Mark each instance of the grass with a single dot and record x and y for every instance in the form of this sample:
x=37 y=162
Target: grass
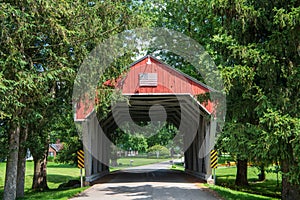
x=177 y=166
x=125 y=162
x=53 y=194
x=226 y=178
x=56 y=175
x=230 y=194
x=60 y=173
x=224 y=159
x=226 y=187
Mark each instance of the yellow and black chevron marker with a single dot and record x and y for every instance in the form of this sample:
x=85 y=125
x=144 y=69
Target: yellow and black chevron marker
x=214 y=159
x=80 y=158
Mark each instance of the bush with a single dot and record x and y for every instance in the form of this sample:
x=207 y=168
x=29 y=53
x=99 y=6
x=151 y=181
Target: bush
x=163 y=152
x=50 y=158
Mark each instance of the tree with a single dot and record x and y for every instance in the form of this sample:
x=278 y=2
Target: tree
x=255 y=44
x=261 y=41
x=240 y=132
x=42 y=46
x=129 y=141
x=3 y=139
x=64 y=129
x=158 y=151
x=163 y=136
x=17 y=87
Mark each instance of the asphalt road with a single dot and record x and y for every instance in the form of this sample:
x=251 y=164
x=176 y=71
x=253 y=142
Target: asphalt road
x=150 y=182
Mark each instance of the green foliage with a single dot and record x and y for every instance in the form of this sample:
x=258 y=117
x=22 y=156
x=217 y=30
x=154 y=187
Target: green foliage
x=284 y=130
x=126 y=162
x=269 y=187
x=50 y=159
x=69 y=153
x=107 y=95
x=158 y=150
x=3 y=140
x=240 y=140
x=42 y=45
x=159 y=134
x=63 y=128
x=255 y=45
x=163 y=137
x=135 y=142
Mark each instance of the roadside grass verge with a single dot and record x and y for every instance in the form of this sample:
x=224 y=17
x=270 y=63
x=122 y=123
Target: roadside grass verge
x=53 y=194
x=268 y=187
x=177 y=166
x=61 y=173
x=223 y=159
x=229 y=194
x=56 y=175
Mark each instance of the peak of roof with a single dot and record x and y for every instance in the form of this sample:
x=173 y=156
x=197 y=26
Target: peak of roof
x=174 y=69
x=56 y=147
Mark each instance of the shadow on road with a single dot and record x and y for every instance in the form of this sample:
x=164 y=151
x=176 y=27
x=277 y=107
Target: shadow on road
x=160 y=175
x=145 y=192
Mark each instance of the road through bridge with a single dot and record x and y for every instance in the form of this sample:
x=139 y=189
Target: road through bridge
x=150 y=182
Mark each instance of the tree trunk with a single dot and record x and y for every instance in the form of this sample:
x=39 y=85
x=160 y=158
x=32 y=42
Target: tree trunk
x=40 y=171
x=262 y=175
x=114 y=162
x=12 y=166
x=22 y=163
x=114 y=157
x=40 y=175
x=289 y=191
x=241 y=174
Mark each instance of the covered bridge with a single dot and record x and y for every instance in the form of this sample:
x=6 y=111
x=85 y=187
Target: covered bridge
x=155 y=92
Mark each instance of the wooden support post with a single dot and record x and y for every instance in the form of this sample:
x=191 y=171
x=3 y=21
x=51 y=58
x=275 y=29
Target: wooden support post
x=81 y=178
x=215 y=178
